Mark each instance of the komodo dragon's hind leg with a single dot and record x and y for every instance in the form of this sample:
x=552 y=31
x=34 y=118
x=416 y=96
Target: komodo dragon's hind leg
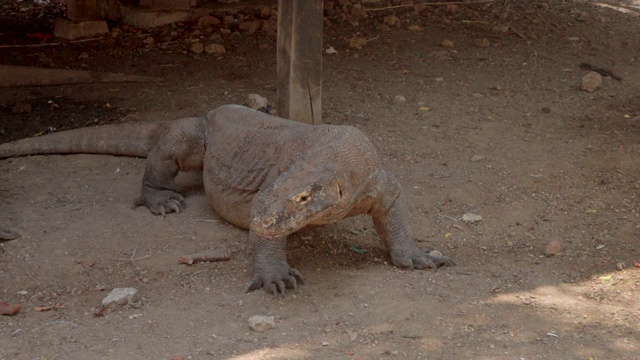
x=270 y=268
x=391 y=220
x=6 y=235
x=180 y=148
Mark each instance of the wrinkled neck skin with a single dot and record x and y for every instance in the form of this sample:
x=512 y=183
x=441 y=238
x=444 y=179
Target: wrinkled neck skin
x=276 y=213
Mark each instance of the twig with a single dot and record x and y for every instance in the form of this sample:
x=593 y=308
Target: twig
x=133 y=258
x=518 y=33
x=601 y=71
x=219 y=255
x=373 y=38
x=429 y=3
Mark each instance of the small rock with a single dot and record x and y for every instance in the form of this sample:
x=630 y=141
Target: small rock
x=418 y=8
x=620 y=266
x=228 y=19
x=357 y=42
x=197 y=48
x=198 y=13
x=500 y=29
x=399 y=99
x=215 y=49
x=583 y=16
x=261 y=323
x=471 y=218
x=120 y=296
x=115 y=32
x=476 y=158
x=545 y=109
x=265 y=12
x=250 y=26
x=208 y=20
x=149 y=40
x=21 y=108
x=591 y=82
x=270 y=26
x=483 y=42
x=447 y=43
x=84 y=55
x=358 y=13
x=554 y=247
x=392 y=21
x=414 y=28
x=256 y=101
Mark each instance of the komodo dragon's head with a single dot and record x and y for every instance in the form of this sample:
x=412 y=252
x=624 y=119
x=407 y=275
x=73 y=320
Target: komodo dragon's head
x=296 y=199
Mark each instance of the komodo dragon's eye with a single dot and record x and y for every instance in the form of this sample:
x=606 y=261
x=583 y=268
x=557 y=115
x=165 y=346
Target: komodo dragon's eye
x=302 y=198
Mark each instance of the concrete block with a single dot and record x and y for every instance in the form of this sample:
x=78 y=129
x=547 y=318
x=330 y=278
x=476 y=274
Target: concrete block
x=149 y=19
x=71 y=30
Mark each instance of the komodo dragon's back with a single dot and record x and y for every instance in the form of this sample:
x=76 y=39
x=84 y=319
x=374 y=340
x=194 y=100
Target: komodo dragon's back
x=129 y=139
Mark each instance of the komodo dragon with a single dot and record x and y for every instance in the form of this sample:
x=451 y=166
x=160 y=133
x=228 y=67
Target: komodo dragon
x=263 y=173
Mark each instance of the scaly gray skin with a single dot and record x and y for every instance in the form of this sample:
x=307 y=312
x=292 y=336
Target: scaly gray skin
x=263 y=173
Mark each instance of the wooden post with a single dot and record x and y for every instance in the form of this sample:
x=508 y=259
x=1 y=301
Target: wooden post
x=79 y=10
x=300 y=60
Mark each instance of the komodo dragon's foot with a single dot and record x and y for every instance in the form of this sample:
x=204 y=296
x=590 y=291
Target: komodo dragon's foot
x=160 y=201
x=420 y=259
x=6 y=235
x=270 y=267
x=275 y=279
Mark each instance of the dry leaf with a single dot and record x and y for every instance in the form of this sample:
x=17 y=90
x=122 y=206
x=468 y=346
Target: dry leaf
x=9 y=309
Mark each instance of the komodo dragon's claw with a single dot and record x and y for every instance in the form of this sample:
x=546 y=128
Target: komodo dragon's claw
x=161 y=202
x=419 y=259
x=276 y=285
x=438 y=259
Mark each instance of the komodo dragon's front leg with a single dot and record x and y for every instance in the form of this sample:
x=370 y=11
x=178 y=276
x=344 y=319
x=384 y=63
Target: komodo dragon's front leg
x=391 y=221
x=270 y=266
x=181 y=147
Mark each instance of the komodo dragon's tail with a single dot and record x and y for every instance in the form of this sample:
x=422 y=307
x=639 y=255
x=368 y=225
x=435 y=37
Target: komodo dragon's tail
x=130 y=139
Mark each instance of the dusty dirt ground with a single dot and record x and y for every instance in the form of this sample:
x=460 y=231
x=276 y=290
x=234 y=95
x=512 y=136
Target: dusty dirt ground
x=509 y=136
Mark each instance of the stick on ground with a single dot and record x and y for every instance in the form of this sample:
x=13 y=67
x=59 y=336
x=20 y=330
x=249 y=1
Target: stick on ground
x=219 y=255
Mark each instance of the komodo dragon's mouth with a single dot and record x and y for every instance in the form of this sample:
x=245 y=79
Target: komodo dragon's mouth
x=272 y=233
